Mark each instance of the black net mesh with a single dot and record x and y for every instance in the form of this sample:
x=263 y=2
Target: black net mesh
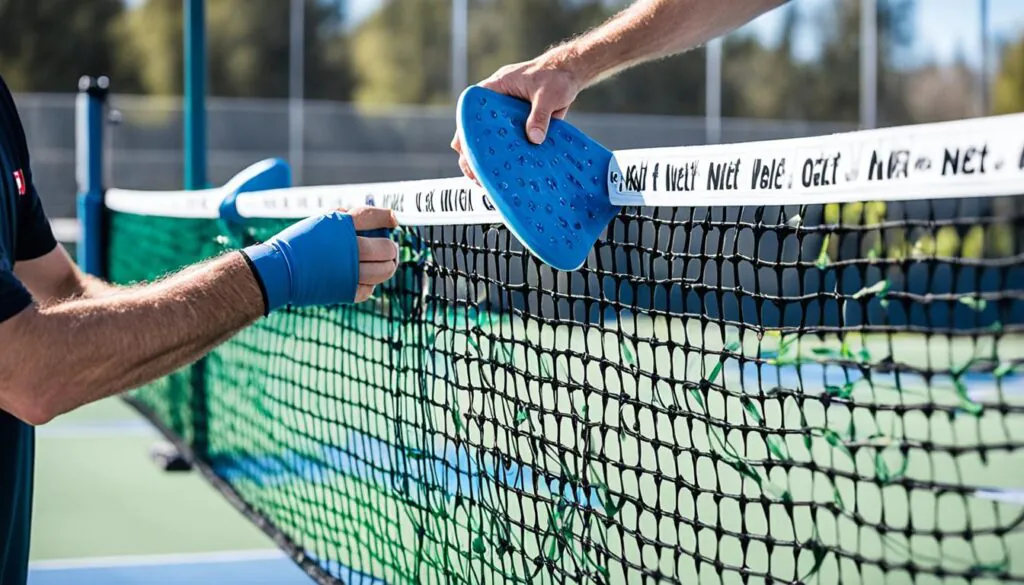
x=721 y=395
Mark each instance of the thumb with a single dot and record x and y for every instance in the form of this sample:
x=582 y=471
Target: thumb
x=538 y=120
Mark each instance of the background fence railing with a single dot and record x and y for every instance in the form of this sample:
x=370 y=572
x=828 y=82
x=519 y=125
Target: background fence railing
x=341 y=143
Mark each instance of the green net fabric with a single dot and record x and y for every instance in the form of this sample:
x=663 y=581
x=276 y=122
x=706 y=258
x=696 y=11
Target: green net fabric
x=828 y=394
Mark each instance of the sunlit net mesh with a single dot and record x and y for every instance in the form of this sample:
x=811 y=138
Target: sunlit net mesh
x=828 y=393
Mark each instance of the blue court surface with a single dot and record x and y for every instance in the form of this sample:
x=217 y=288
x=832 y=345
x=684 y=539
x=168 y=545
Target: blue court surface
x=245 y=567
x=105 y=514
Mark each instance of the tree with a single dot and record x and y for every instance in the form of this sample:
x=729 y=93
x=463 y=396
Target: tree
x=673 y=86
x=247 y=42
x=760 y=81
x=47 y=46
x=1008 y=90
x=503 y=32
x=830 y=84
x=401 y=53
x=150 y=37
x=937 y=93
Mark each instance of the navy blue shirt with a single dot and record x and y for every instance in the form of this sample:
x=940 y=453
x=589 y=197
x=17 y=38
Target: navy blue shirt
x=24 y=235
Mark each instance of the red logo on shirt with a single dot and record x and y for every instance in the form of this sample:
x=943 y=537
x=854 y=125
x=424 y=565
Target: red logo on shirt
x=19 y=180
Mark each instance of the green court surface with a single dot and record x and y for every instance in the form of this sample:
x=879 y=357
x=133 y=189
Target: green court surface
x=321 y=442
x=97 y=494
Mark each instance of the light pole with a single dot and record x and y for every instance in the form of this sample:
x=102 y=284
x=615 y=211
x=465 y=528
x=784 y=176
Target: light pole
x=983 y=79
x=460 y=43
x=296 y=87
x=713 y=92
x=868 y=64
x=195 y=95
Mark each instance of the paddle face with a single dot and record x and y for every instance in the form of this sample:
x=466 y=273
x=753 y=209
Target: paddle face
x=553 y=196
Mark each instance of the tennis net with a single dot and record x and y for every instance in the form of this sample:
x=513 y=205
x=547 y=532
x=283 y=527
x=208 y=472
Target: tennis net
x=722 y=394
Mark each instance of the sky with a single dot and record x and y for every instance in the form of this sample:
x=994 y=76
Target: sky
x=943 y=27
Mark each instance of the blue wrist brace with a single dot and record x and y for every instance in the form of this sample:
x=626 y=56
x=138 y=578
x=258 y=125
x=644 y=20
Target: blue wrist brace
x=313 y=262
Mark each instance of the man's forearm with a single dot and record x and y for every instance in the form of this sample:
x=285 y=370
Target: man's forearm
x=90 y=287
x=651 y=29
x=84 y=349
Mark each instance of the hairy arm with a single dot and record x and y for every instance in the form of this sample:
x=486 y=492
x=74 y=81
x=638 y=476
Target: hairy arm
x=652 y=29
x=60 y=356
x=645 y=31
x=55 y=277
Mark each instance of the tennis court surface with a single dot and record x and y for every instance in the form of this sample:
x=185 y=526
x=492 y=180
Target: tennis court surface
x=828 y=392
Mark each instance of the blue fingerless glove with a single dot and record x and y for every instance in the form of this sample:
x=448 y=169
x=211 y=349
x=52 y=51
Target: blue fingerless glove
x=312 y=262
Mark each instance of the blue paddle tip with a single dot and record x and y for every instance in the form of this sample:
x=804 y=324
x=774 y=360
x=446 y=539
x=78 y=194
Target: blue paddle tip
x=553 y=196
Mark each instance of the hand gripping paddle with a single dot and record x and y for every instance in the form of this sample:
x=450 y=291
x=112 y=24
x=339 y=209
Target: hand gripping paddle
x=553 y=196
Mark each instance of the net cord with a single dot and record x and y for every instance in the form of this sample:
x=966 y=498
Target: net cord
x=977 y=158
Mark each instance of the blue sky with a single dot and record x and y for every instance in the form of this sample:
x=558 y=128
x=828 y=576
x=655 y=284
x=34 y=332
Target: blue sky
x=943 y=26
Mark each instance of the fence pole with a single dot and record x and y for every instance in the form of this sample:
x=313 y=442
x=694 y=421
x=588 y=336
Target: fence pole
x=713 y=92
x=195 y=95
x=868 y=64
x=460 y=60
x=296 y=89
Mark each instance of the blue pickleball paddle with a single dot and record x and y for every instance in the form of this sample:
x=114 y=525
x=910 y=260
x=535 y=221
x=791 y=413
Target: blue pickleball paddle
x=553 y=196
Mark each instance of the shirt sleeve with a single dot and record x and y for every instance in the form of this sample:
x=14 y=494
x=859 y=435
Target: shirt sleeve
x=35 y=236
x=14 y=297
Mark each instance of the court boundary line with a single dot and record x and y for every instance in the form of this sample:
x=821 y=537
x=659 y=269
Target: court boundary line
x=237 y=556
x=289 y=547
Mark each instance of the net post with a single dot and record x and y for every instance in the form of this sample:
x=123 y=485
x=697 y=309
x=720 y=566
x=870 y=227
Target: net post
x=90 y=106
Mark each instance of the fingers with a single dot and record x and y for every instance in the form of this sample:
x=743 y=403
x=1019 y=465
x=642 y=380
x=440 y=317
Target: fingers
x=378 y=259
x=466 y=169
x=495 y=81
x=377 y=250
x=539 y=119
x=373 y=218
x=374 y=273
x=363 y=292
x=463 y=161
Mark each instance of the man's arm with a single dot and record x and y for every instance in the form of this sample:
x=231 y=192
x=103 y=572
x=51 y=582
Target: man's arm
x=645 y=31
x=55 y=277
x=56 y=357
x=652 y=29
x=62 y=356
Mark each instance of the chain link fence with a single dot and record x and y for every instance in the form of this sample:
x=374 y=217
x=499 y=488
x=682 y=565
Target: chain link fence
x=342 y=142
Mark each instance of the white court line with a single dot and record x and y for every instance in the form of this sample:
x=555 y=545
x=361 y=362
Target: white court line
x=240 y=556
